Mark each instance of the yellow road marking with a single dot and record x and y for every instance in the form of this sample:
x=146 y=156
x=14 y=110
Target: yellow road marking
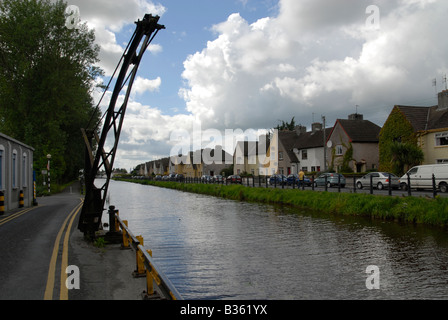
x=63 y=294
x=52 y=268
x=15 y=215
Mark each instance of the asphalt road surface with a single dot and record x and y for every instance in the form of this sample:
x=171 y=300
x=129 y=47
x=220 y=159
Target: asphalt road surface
x=38 y=244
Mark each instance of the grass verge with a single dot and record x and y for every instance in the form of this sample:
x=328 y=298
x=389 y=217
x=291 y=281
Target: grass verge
x=404 y=209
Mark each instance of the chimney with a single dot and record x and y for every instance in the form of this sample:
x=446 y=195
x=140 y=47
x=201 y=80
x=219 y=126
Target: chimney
x=443 y=100
x=316 y=126
x=355 y=116
x=300 y=129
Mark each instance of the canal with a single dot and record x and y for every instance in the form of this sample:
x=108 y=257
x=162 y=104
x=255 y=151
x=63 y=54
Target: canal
x=212 y=248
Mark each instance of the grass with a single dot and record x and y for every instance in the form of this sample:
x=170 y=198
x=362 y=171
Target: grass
x=404 y=209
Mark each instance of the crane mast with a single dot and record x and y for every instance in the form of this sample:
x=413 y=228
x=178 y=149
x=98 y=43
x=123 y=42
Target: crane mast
x=97 y=158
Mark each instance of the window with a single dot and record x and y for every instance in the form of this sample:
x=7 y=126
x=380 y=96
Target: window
x=1 y=169
x=304 y=154
x=305 y=169
x=442 y=139
x=14 y=169
x=339 y=151
x=24 y=171
x=439 y=161
x=280 y=155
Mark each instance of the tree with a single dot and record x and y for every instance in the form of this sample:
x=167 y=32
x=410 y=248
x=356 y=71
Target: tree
x=405 y=156
x=396 y=129
x=287 y=126
x=46 y=81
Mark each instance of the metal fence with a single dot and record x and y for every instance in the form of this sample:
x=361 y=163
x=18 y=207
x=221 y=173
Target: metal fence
x=434 y=185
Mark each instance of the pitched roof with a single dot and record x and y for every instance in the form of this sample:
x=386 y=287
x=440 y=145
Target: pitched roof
x=360 y=130
x=312 y=139
x=425 y=118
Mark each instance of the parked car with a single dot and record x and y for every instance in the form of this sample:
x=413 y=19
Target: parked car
x=206 y=178
x=421 y=177
x=171 y=177
x=380 y=180
x=278 y=179
x=234 y=179
x=179 y=177
x=294 y=178
x=218 y=178
x=158 y=177
x=332 y=179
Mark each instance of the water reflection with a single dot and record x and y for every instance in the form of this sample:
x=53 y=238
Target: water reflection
x=219 y=249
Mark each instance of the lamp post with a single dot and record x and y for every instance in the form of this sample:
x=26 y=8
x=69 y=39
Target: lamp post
x=48 y=170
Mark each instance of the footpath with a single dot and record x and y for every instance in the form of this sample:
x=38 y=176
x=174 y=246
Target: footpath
x=105 y=272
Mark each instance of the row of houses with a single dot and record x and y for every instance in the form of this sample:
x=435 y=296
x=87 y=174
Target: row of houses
x=350 y=144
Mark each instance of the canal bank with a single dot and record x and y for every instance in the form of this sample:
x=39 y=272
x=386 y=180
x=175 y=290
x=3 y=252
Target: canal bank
x=418 y=210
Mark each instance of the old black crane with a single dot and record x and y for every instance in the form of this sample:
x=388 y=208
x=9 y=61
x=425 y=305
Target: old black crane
x=98 y=159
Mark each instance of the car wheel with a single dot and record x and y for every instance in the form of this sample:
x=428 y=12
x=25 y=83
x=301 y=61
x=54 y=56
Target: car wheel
x=359 y=185
x=315 y=184
x=404 y=186
x=328 y=184
x=379 y=186
x=443 y=187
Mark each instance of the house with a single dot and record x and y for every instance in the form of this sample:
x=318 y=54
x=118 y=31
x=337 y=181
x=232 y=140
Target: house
x=425 y=126
x=309 y=148
x=16 y=172
x=249 y=157
x=202 y=162
x=214 y=161
x=298 y=150
x=288 y=162
x=353 y=144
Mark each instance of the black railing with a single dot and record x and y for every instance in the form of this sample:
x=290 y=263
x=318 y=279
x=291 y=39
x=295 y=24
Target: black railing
x=434 y=184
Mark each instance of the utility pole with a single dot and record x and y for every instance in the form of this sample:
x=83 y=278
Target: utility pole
x=324 y=143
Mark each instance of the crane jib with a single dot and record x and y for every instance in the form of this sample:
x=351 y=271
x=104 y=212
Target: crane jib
x=97 y=158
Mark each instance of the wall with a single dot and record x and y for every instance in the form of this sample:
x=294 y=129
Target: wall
x=16 y=172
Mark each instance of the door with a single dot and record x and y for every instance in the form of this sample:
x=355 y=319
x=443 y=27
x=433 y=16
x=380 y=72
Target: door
x=375 y=178
x=413 y=177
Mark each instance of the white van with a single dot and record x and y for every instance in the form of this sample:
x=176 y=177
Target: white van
x=421 y=177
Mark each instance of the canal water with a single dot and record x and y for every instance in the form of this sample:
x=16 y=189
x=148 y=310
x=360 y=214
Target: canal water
x=212 y=248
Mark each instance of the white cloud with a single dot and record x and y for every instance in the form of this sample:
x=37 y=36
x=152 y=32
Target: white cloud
x=316 y=56
x=142 y=85
x=110 y=17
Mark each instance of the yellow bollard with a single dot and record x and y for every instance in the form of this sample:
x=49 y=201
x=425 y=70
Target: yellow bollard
x=2 y=203
x=21 y=201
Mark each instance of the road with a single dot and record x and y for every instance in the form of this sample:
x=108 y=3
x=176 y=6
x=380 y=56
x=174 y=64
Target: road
x=39 y=243
x=29 y=237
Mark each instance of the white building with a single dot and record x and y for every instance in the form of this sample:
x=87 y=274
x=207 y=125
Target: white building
x=16 y=172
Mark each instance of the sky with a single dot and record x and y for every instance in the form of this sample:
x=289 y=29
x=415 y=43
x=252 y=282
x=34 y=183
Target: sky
x=249 y=64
